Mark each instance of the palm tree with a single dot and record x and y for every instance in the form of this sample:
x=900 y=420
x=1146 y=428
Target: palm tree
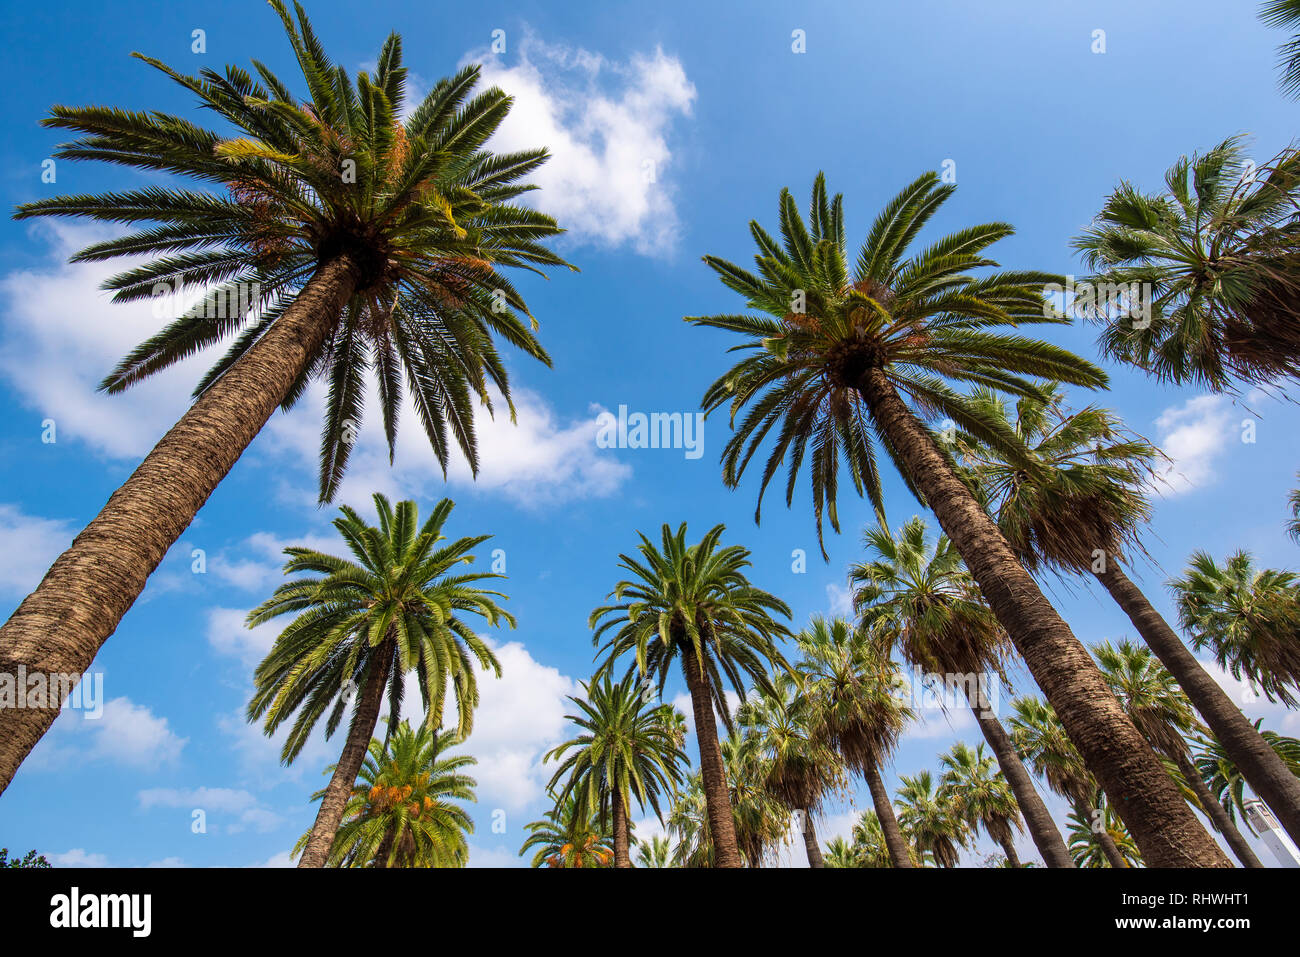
x=335 y=235
x=359 y=626
x=933 y=820
x=1216 y=259
x=1072 y=499
x=980 y=795
x=568 y=836
x=798 y=768
x=1250 y=618
x=840 y=853
x=1041 y=740
x=653 y=853
x=1164 y=715
x=625 y=750
x=1286 y=14
x=862 y=714
x=693 y=604
x=923 y=604
x=401 y=813
x=870 y=846
x=1224 y=778
x=1092 y=839
x=833 y=360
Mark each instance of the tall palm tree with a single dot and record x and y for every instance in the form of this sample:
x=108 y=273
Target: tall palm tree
x=836 y=361
x=798 y=767
x=1090 y=851
x=1164 y=715
x=1039 y=737
x=1249 y=617
x=401 y=811
x=359 y=626
x=856 y=693
x=1224 y=778
x=655 y=852
x=1072 y=499
x=568 y=835
x=1286 y=14
x=923 y=603
x=626 y=749
x=329 y=235
x=1217 y=256
x=693 y=605
x=981 y=796
x=932 y=819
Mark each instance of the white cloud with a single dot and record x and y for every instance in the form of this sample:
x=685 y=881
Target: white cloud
x=77 y=857
x=840 y=600
x=281 y=859
x=1194 y=435
x=228 y=635
x=167 y=862
x=607 y=126
x=237 y=810
x=31 y=544
x=126 y=734
x=61 y=336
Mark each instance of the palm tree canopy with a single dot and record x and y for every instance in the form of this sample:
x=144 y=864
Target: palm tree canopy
x=1040 y=740
x=923 y=602
x=401 y=811
x=1149 y=695
x=919 y=315
x=798 y=768
x=1087 y=852
x=855 y=691
x=568 y=836
x=1219 y=252
x=1251 y=618
x=1286 y=14
x=624 y=746
x=693 y=598
x=1078 y=483
x=978 y=792
x=424 y=211
x=932 y=819
x=1225 y=780
x=400 y=585
x=869 y=847
x=656 y=852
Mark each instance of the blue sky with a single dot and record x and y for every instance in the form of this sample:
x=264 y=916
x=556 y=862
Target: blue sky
x=718 y=106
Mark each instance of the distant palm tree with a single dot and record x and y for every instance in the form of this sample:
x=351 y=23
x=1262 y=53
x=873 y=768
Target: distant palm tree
x=1164 y=715
x=840 y=853
x=360 y=625
x=401 y=813
x=626 y=750
x=1293 y=525
x=692 y=605
x=655 y=852
x=870 y=847
x=1219 y=253
x=1043 y=743
x=1093 y=837
x=1286 y=14
x=568 y=836
x=1072 y=499
x=861 y=712
x=844 y=360
x=331 y=235
x=1225 y=780
x=932 y=819
x=798 y=767
x=980 y=795
x=922 y=603
x=1249 y=617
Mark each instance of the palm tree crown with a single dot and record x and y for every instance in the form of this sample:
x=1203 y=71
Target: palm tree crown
x=421 y=210
x=980 y=794
x=1218 y=254
x=918 y=316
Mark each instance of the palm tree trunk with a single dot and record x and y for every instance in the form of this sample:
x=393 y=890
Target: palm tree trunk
x=810 y=844
x=1236 y=840
x=895 y=843
x=1046 y=835
x=1009 y=849
x=60 y=627
x=360 y=731
x=1265 y=772
x=1160 y=821
x=622 y=834
x=722 y=826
